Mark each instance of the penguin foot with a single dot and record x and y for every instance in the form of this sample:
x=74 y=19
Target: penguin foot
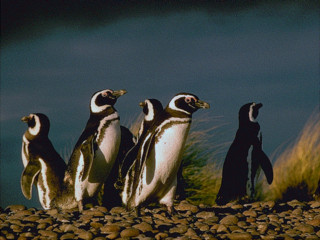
x=80 y=206
x=137 y=211
x=171 y=210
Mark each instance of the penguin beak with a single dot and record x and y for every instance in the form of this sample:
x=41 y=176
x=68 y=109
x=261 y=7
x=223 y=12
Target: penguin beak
x=142 y=104
x=258 y=106
x=25 y=119
x=119 y=93
x=202 y=104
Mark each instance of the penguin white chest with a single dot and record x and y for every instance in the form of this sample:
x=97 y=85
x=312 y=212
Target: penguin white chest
x=168 y=151
x=108 y=141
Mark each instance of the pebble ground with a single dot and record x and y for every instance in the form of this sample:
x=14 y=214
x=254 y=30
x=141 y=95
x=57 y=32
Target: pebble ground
x=258 y=220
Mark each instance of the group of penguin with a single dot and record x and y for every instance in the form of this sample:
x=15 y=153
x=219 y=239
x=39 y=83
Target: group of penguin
x=134 y=170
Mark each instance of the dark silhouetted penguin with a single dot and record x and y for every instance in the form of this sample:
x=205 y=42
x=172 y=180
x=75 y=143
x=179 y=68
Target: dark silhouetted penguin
x=244 y=158
x=153 y=175
x=96 y=150
x=44 y=167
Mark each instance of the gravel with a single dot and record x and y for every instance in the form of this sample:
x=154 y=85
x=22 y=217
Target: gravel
x=258 y=220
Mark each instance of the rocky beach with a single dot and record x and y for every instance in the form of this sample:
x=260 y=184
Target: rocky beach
x=257 y=220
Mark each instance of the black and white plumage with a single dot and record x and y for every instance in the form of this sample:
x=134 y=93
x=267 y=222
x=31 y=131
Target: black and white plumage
x=44 y=167
x=244 y=158
x=151 y=109
x=111 y=195
x=96 y=150
x=153 y=175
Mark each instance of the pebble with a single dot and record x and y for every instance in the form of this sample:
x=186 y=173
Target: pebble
x=257 y=220
x=129 y=232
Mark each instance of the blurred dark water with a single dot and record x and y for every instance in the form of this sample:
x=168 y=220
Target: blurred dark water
x=226 y=55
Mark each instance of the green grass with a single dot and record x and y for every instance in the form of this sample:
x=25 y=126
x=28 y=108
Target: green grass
x=297 y=168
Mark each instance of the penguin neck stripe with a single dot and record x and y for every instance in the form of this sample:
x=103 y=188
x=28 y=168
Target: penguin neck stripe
x=36 y=129
x=252 y=119
x=46 y=188
x=150 y=115
x=94 y=107
x=172 y=104
x=173 y=120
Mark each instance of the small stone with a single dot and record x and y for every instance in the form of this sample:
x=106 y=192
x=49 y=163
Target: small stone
x=96 y=224
x=297 y=211
x=67 y=236
x=49 y=234
x=27 y=235
x=222 y=228
x=52 y=212
x=32 y=218
x=296 y=203
x=314 y=222
x=186 y=206
x=191 y=233
x=85 y=235
x=68 y=228
x=113 y=235
x=229 y=220
x=269 y=204
x=237 y=206
x=117 y=210
x=205 y=215
x=161 y=235
x=110 y=228
x=181 y=229
x=315 y=204
x=129 y=232
x=305 y=228
x=239 y=236
x=250 y=213
x=15 y=208
x=143 y=227
x=262 y=228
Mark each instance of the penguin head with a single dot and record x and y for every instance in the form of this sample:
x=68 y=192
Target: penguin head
x=151 y=108
x=249 y=112
x=104 y=99
x=186 y=103
x=38 y=124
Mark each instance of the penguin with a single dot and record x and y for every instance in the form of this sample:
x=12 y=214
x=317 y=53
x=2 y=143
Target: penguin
x=151 y=108
x=44 y=167
x=96 y=150
x=153 y=175
x=111 y=196
x=244 y=158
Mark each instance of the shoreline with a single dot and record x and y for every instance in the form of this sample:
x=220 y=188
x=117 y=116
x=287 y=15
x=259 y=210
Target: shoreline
x=257 y=220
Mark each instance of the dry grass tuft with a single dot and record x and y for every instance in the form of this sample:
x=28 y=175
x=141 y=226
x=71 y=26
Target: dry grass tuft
x=297 y=168
x=202 y=168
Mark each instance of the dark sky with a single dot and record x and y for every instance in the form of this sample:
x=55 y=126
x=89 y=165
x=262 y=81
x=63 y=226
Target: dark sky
x=228 y=56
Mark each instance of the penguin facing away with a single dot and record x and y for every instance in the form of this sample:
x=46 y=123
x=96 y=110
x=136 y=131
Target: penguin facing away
x=153 y=175
x=44 y=167
x=96 y=150
x=244 y=158
x=151 y=109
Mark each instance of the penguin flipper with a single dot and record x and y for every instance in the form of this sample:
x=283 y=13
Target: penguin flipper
x=87 y=150
x=266 y=166
x=128 y=160
x=27 y=178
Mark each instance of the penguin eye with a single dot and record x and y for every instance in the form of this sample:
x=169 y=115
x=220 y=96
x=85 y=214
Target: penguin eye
x=189 y=100
x=106 y=94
